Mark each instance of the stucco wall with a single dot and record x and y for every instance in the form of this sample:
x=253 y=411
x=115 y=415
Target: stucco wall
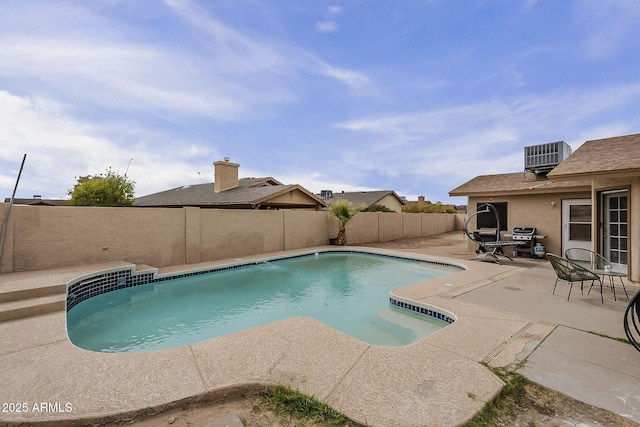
x=368 y=227
x=391 y=202
x=362 y=228
x=305 y=229
x=389 y=226
x=235 y=233
x=534 y=210
x=48 y=237
x=44 y=237
x=6 y=253
x=411 y=225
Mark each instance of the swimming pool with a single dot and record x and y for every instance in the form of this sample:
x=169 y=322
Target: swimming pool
x=348 y=291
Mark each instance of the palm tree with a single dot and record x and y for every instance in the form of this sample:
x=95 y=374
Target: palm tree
x=344 y=211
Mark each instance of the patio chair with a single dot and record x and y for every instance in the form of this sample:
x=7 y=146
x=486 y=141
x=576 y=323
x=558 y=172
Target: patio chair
x=586 y=258
x=598 y=264
x=571 y=272
x=632 y=321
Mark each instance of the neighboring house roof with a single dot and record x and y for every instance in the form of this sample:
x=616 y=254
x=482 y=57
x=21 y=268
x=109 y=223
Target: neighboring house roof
x=516 y=183
x=37 y=201
x=367 y=198
x=250 y=193
x=618 y=156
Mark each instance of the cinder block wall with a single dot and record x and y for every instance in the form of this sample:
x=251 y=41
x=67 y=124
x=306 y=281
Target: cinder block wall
x=45 y=237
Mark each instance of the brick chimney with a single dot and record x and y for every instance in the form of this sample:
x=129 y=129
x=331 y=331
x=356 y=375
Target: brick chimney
x=225 y=175
x=420 y=200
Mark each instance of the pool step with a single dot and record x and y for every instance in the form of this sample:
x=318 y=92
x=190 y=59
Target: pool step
x=11 y=310
x=26 y=292
x=31 y=301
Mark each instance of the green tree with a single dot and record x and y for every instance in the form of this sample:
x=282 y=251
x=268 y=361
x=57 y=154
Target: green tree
x=428 y=208
x=110 y=189
x=378 y=208
x=344 y=211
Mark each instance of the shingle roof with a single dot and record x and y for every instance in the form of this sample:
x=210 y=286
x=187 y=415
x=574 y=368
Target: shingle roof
x=367 y=198
x=516 y=183
x=250 y=191
x=618 y=155
x=36 y=201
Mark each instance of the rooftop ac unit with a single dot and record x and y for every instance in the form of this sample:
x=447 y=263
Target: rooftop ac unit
x=544 y=157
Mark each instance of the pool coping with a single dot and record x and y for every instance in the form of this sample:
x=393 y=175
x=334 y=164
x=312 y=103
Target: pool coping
x=440 y=380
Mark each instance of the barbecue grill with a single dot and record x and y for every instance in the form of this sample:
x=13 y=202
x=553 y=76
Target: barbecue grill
x=523 y=233
x=527 y=236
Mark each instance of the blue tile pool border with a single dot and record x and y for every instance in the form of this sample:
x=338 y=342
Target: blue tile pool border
x=422 y=310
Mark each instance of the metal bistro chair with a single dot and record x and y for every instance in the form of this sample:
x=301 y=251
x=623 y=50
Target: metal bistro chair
x=597 y=264
x=571 y=272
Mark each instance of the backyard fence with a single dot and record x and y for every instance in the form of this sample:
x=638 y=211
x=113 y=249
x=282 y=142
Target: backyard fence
x=44 y=237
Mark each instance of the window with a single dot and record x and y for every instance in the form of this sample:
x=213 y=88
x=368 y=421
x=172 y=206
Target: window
x=580 y=222
x=488 y=220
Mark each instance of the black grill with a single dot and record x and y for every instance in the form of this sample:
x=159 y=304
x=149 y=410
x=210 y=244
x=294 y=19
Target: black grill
x=524 y=233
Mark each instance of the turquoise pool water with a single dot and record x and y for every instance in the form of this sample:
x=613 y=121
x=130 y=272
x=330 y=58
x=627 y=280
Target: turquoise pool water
x=347 y=291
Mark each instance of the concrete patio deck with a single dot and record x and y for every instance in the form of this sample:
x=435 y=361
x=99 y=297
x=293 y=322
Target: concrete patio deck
x=505 y=315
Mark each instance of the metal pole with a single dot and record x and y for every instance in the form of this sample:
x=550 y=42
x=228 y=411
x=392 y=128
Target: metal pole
x=6 y=218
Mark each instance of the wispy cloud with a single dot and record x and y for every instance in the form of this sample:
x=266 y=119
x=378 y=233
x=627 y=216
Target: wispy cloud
x=329 y=25
x=607 y=24
x=274 y=56
x=177 y=84
x=226 y=76
x=354 y=79
x=462 y=141
x=60 y=148
x=326 y=27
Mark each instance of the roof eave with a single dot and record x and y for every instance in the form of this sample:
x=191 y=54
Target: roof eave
x=528 y=191
x=626 y=173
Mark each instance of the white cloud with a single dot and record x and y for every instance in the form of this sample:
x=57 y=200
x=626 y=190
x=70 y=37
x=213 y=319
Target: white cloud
x=316 y=182
x=462 y=141
x=607 y=25
x=225 y=74
x=326 y=27
x=131 y=77
x=60 y=148
x=268 y=55
x=354 y=79
x=329 y=25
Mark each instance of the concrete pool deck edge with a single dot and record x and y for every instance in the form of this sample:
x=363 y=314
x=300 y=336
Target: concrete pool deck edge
x=439 y=379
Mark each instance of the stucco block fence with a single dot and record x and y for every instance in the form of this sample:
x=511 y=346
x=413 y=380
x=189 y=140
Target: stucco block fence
x=45 y=237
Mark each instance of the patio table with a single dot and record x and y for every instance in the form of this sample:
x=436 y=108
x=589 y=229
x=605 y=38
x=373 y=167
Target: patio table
x=611 y=275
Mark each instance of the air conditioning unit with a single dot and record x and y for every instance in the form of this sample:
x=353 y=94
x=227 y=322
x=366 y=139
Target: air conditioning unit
x=544 y=157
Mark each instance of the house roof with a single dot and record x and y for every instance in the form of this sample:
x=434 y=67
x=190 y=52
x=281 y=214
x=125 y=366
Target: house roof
x=37 y=201
x=249 y=193
x=516 y=183
x=367 y=198
x=618 y=156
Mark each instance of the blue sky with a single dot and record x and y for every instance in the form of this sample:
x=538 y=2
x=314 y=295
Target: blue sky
x=416 y=96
